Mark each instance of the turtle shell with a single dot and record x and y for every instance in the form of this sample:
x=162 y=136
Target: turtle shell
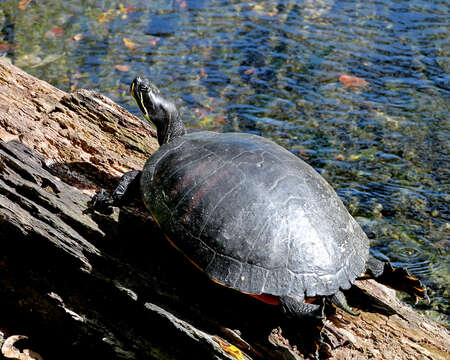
x=253 y=216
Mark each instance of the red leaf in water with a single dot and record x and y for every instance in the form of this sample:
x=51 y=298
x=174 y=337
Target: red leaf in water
x=123 y=68
x=154 y=41
x=4 y=46
x=129 y=43
x=183 y=5
x=126 y=9
x=23 y=4
x=352 y=81
x=249 y=71
x=56 y=31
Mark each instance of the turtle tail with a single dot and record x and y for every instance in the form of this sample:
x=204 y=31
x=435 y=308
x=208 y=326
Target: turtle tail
x=339 y=300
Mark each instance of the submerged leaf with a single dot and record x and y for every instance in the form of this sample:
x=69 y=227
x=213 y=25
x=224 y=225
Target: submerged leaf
x=4 y=46
x=23 y=4
x=106 y=16
x=154 y=41
x=123 y=68
x=249 y=71
x=78 y=37
x=27 y=60
x=126 y=9
x=274 y=12
x=48 y=59
x=56 y=31
x=367 y=153
x=129 y=43
x=352 y=81
x=258 y=7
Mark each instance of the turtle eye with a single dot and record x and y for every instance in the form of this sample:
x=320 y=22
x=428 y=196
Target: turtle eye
x=143 y=88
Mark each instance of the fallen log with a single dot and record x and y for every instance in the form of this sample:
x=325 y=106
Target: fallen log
x=80 y=284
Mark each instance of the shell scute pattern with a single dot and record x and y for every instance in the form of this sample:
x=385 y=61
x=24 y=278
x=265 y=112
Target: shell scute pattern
x=253 y=216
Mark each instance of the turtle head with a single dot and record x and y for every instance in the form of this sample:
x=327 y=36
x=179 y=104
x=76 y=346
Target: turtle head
x=157 y=109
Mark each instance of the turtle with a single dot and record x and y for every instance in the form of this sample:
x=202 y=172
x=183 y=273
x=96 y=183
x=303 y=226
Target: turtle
x=252 y=215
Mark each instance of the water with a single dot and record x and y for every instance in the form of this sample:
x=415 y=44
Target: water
x=276 y=69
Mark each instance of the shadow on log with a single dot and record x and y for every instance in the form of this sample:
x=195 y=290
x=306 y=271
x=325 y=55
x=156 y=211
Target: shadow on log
x=80 y=284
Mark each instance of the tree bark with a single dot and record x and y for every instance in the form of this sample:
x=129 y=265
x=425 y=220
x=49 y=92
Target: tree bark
x=80 y=284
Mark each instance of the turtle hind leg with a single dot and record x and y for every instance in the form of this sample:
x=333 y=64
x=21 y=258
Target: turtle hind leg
x=127 y=189
x=306 y=320
x=396 y=278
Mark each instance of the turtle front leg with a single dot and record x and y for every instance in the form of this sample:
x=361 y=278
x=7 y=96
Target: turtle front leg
x=396 y=278
x=309 y=317
x=127 y=188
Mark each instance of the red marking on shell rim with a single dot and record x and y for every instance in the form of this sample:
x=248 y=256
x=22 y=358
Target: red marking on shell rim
x=267 y=298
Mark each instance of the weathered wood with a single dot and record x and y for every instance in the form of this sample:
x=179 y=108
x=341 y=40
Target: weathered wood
x=85 y=137
x=84 y=285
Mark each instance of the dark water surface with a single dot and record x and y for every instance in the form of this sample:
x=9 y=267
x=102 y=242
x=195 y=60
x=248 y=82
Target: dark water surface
x=281 y=69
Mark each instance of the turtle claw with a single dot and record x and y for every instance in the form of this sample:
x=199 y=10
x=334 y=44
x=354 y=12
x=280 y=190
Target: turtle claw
x=338 y=300
x=402 y=280
x=397 y=278
x=128 y=187
x=102 y=202
x=316 y=354
x=311 y=316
